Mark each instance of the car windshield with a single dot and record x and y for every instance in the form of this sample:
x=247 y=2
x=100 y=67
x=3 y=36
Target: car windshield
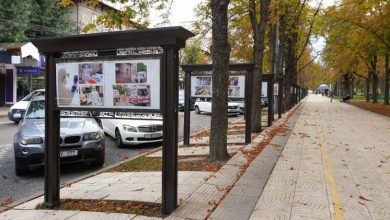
x=35 y=93
x=143 y=92
x=36 y=110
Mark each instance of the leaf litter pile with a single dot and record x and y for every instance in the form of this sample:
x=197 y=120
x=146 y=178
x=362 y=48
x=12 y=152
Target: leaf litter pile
x=189 y=163
x=137 y=208
x=378 y=108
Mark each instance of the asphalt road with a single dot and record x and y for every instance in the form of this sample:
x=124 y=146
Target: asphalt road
x=15 y=188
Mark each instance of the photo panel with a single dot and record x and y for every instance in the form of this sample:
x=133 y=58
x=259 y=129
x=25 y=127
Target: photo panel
x=234 y=91
x=91 y=95
x=67 y=85
x=109 y=84
x=131 y=95
x=203 y=90
x=91 y=73
x=131 y=73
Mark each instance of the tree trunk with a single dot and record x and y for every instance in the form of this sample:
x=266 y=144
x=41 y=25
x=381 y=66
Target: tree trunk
x=220 y=57
x=367 y=92
x=280 y=56
x=374 y=79
x=290 y=69
x=387 y=76
x=375 y=88
x=368 y=86
x=258 y=52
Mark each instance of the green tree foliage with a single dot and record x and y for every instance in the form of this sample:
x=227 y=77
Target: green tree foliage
x=21 y=20
x=133 y=13
x=194 y=54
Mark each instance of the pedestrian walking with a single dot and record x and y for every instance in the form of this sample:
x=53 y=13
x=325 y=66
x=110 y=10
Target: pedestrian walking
x=331 y=95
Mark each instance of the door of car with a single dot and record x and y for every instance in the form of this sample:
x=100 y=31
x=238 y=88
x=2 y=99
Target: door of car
x=109 y=126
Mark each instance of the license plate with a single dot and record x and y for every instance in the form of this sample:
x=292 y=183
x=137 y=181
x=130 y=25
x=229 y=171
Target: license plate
x=154 y=135
x=69 y=153
x=17 y=115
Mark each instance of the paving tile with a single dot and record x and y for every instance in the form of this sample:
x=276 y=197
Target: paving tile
x=14 y=214
x=30 y=204
x=142 y=217
x=60 y=214
x=101 y=216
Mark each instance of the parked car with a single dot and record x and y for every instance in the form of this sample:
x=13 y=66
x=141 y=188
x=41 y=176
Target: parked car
x=133 y=132
x=81 y=139
x=204 y=105
x=182 y=102
x=264 y=102
x=16 y=112
x=241 y=104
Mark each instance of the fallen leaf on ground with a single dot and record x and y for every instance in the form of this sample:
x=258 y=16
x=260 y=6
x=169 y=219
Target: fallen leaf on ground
x=363 y=198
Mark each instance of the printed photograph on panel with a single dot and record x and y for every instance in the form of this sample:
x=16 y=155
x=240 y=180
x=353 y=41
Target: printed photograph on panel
x=91 y=73
x=233 y=81
x=91 y=95
x=203 y=80
x=203 y=90
x=131 y=95
x=67 y=86
x=233 y=91
x=130 y=73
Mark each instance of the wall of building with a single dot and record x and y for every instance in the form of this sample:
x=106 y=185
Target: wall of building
x=85 y=14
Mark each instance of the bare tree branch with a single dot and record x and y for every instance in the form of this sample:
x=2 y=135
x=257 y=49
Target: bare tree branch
x=310 y=30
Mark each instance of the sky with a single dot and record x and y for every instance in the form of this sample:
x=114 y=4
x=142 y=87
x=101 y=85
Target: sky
x=182 y=14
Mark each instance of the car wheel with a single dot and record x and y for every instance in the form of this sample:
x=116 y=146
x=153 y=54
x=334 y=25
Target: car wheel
x=99 y=160
x=118 y=139
x=197 y=111
x=20 y=169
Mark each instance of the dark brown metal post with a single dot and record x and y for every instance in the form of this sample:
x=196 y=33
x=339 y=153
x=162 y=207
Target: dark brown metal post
x=280 y=97
x=52 y=132
x=270 y=92
x=187 y=108
x=170 y=107
x=248 y=106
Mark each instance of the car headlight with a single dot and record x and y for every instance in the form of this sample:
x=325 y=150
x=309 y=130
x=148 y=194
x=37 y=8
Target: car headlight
x=129 y=128
x=30 y=140
x=92 y=136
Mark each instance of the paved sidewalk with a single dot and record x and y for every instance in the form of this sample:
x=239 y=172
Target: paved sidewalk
x=336 y=165
x=333 y=162
x=3 y=112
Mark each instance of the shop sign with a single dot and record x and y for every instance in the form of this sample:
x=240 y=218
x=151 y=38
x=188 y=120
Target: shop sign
x=28 y=70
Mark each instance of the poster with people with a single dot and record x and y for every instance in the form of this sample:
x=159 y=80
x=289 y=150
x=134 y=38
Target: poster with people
x=110 y=84
x=201 y=86
x=67 y=85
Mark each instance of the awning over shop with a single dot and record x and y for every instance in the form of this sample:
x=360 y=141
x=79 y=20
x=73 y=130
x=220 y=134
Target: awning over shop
x=24 y=48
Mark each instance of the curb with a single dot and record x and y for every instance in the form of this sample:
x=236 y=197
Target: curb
x=77 y=179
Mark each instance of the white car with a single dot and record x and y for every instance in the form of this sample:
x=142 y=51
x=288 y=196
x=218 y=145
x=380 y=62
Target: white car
x=16 y=112
x=133 y=132
x=205 y=106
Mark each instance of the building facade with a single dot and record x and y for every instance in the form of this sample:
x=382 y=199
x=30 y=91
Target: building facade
x=22 y=69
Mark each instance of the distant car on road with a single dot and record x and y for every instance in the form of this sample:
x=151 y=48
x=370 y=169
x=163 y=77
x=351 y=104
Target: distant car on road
x=16 y=112
x=81 y=139
x=264 y=101
x=133 y=132
x=204 y=105
x=182 y=102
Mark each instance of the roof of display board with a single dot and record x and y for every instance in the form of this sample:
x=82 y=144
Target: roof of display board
x=163 y=37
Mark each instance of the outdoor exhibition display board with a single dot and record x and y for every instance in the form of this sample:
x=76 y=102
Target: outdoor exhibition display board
x=198 y=84
x=128 y=83
x=124 y=74
x=201 y=86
